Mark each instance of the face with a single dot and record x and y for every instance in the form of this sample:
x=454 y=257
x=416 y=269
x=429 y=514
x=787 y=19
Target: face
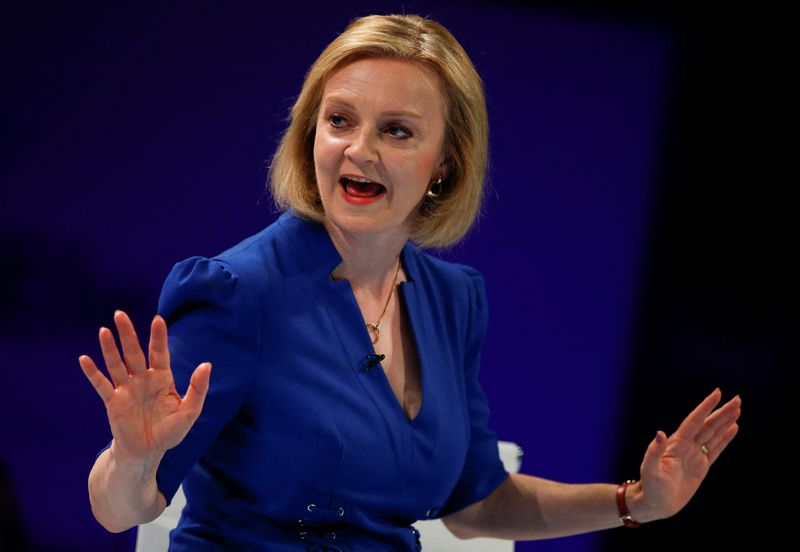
x=378 y=145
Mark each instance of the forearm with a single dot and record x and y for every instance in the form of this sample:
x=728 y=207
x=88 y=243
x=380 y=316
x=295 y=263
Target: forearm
x=526 y=508
x=123 y=493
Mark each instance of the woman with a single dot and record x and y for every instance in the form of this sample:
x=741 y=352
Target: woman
x=345 y=402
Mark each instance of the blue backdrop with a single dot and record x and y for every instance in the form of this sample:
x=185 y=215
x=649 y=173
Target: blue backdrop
x=138 y=137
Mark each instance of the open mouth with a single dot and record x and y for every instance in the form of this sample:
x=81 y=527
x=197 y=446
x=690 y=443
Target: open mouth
x=361 y=187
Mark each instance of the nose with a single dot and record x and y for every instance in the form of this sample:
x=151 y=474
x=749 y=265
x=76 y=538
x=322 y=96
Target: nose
x=363 y=147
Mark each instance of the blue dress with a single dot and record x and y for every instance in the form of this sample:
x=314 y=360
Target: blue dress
x=302 y=444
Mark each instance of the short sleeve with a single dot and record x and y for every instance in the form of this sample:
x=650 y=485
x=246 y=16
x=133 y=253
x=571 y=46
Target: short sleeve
x=483 y=470
x=210 y=317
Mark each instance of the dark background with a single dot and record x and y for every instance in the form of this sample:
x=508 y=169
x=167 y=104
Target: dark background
x=635 y=242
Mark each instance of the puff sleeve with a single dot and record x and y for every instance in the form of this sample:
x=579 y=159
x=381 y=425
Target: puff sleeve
x=210 y=317
x=483 y=470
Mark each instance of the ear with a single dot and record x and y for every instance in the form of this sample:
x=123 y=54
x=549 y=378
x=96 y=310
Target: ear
x=442 y=168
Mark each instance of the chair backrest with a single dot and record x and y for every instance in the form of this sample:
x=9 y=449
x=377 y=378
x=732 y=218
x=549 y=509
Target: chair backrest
x=154 y=536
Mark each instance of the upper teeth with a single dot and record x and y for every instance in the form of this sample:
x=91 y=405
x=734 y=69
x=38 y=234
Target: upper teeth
x=356 y=179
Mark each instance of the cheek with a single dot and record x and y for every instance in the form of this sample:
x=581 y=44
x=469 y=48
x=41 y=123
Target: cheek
x=327 y=147
x=324 y=152
x=423 y=166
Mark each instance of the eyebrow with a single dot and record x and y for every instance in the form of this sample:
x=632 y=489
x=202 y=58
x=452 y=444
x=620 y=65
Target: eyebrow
x=394 y=113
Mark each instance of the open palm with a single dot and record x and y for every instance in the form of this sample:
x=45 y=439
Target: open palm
x=674 y=466
x=146 y=414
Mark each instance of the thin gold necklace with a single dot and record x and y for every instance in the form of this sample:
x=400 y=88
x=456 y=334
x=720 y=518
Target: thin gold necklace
x=376 y=327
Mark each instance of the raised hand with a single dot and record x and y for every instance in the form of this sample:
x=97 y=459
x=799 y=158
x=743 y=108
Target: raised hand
x=674 y=466
x=146 y=413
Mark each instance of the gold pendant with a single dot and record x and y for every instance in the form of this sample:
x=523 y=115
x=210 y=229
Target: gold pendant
x=376 y=330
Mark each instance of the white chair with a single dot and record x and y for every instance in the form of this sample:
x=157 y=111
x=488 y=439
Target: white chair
x=154 y=536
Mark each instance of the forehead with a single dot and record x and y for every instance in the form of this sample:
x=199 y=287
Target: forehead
x=386 y=84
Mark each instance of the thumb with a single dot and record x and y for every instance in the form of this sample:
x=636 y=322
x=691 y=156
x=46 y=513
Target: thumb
x=654 y=452
x=198 y=388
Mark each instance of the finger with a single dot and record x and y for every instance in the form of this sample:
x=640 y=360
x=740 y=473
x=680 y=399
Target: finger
x=695 y=420
x=198 y=389
x=653 y=454
x=720 y=420
x=159 y=351
x=116 y=368
x=100 y=383
x=718 y=444
x=134 y=357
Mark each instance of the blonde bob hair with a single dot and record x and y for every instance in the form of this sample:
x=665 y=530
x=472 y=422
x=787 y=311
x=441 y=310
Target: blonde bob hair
x=441 y=221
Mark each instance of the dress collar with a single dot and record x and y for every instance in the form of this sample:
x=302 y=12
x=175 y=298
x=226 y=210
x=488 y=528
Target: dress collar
x=319 y=256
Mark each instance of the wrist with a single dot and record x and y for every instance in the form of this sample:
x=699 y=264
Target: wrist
x=637 y=505
x=132 y=464
x=621 y=496
x=123 y=491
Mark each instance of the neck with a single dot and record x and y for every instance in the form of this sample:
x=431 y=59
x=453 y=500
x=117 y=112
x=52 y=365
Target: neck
x=368 y=261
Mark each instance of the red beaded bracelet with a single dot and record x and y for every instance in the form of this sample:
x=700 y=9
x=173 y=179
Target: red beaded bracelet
x=624 y=514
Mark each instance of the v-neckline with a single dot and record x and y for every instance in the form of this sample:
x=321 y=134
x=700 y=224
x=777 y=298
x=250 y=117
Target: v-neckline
x=321 y=258
x=415 y=342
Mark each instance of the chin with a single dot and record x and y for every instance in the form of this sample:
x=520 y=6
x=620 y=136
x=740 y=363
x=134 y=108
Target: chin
x=355 y=222
x=364 y=223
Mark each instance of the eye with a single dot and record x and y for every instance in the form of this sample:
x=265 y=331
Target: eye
x=398 y=131
x=338 y=121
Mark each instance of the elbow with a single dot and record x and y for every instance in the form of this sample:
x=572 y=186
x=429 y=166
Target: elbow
x=461 y=525
x=459 y=531
x=479 y=519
